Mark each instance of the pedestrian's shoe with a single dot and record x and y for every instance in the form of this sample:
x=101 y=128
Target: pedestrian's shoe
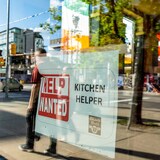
x=25 y=147
x=37 y=138
x=50 y=152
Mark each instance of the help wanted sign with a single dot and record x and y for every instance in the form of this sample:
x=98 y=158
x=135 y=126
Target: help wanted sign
x=78 y=101
x=54 y=97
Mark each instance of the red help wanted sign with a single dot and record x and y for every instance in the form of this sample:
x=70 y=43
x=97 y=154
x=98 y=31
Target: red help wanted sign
x=54 y=97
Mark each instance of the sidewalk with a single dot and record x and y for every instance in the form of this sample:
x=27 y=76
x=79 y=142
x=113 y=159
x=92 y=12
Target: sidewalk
x=136 y=144
x=12 y=134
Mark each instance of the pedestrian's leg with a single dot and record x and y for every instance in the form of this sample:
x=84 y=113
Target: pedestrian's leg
x=52 y=147
x=30 y=132
x=36 y=136
x=28 y=146
x=53 y=144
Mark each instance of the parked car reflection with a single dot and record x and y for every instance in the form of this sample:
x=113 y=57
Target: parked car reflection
x=13 y=84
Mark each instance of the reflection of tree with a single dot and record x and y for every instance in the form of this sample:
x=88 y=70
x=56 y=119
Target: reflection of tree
x=111 y=30
x=108 y=16
x=56 y=17
x=146 y=15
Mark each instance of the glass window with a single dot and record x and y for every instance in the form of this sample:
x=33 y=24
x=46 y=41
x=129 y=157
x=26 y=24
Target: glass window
x=100 y=82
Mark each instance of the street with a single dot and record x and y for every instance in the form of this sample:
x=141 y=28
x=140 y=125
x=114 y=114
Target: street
x=25 y=93
x=150 y=104
x=150 y=100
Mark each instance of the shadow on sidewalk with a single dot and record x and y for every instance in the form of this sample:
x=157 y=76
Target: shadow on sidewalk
x=75 y=158
x=21 y=99
x=2 y=158
x=11 y=125
x=138 y=153
x=59 y=156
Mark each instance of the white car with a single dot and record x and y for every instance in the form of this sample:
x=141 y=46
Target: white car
x=13 y=84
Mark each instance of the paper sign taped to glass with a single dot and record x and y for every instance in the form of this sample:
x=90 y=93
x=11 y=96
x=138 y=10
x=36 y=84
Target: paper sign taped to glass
x=78 y=99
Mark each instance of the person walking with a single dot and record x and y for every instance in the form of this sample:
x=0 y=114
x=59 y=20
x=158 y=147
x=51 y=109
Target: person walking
x=32 y=109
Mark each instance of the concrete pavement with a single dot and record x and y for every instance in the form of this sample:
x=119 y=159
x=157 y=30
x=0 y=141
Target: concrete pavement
x=135 y=144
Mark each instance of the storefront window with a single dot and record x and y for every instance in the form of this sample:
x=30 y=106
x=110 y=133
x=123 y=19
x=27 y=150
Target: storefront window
x=101 y=74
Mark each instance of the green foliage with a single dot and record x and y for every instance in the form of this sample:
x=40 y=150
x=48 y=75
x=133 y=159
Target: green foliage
x=111 y=27
x=93 y=2
x=56 y=18
x=122 y=122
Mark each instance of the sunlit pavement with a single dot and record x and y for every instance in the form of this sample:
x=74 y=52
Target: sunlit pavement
x=137 y=144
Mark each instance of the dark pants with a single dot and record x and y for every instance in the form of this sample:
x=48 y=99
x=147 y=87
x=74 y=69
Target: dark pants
x=53 y=144
x=30 y=119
